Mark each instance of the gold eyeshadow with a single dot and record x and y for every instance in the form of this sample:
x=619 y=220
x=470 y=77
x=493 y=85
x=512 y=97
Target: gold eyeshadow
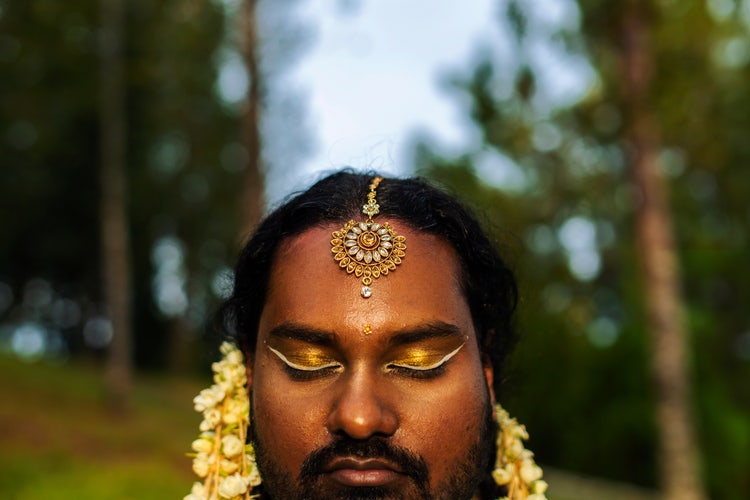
x=305 y=359
x=421 y=356
x=424 y=358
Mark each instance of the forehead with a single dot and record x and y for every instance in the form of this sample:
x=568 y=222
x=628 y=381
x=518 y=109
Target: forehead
x=307 y=286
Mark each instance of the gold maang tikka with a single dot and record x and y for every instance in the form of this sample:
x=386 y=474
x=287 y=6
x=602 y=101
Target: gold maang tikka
x=368 y=249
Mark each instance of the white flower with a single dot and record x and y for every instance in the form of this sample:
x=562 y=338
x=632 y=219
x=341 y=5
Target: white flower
x=515 y=449
x=539 y=487
x=236 y=409
x=202 y=464
x=208 y=398
x=212 y=417
x=519 y=431
x=503 y=476
x=228 y=348
x=232 y=486
x=198 y=492
x=223 y=459
x=228 y=467
x=233 y=356
x=231 y=445
x=530 y=472
x=253 y=478
x=515 y=464
x=203 y=444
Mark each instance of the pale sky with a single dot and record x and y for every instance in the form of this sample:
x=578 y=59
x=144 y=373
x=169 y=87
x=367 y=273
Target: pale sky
x=372 y=78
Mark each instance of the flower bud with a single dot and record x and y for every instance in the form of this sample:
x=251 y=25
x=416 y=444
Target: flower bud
x=232 y=486
x=202 y=445
x=231 y=446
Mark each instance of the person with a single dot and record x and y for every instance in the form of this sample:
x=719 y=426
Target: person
x=375 y=318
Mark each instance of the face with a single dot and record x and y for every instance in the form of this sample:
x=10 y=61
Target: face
x=384 y=397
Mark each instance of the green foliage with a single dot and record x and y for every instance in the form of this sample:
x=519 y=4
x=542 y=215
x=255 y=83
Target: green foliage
x=581 y=380
x=47 y=138
x=61 y=443
x=63 y=478
x=183 y=158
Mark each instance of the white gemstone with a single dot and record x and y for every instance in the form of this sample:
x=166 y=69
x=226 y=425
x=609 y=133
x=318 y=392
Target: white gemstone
x=386 y=244
x=376 y=256
x=366 y=291
x=356 y=230
x=353 y=250
x=368 y=257
x=362 y=226
x=382 y=230
x=375 y=227
x=350 y=243
x=360 y=254
x=351 y=236
x=383 y=252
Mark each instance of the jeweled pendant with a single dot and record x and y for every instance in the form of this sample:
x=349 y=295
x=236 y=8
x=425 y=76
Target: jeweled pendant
x=368 y=249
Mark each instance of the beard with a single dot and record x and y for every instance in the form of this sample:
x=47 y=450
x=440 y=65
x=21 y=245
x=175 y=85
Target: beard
x=470 y=470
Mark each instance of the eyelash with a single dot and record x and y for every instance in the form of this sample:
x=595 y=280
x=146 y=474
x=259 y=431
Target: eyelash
x=417 y=374
x=308 y=375
x=305 y=375
x=298 y=374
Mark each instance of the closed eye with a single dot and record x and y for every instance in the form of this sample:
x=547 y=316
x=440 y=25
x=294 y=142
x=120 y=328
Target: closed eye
x=422 y=361
x=311 y=363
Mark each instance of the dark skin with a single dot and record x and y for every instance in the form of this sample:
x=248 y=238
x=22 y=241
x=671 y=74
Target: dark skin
x=397 y=379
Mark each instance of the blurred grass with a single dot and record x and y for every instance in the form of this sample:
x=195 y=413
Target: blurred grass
x=60 y=440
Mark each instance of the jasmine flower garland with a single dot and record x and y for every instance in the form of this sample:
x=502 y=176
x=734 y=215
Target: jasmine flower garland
x=514 y=465
x=222 y=459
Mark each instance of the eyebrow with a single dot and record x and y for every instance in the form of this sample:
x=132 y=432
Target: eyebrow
x=427 y=331
x=303 y=333
x=411 y=335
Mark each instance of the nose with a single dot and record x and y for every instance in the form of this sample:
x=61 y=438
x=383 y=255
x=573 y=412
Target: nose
x=361 y=408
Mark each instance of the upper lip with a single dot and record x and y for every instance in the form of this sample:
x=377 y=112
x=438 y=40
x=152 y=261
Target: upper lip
x=361 y=464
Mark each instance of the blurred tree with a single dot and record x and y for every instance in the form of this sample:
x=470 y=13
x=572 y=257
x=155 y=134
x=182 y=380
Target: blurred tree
x=184 y=83
x=270 y=38
x=115 y=242
x=49 y=203
x=678 y=453
x=48 y=144
x=186 y=166
x=184 y=160
x=554 y=170
x=252 y=200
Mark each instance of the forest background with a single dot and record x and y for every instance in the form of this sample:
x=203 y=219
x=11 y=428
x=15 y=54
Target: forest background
x=127 y=184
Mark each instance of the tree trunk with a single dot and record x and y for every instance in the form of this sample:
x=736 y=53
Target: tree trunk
x=678 y=451
x=179 y=342
x=114 y=221
x=252 y=198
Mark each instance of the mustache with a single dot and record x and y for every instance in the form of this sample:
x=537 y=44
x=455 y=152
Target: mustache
x=408 y=462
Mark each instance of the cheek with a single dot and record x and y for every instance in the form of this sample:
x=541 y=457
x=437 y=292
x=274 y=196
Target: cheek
x=456 y=414
x=290 y=427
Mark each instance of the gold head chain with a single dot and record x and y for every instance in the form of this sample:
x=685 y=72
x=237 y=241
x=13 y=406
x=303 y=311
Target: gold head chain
x=368 y=249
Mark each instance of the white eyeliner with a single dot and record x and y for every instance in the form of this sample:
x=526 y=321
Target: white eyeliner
x=291 y=364
x=431 y=367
